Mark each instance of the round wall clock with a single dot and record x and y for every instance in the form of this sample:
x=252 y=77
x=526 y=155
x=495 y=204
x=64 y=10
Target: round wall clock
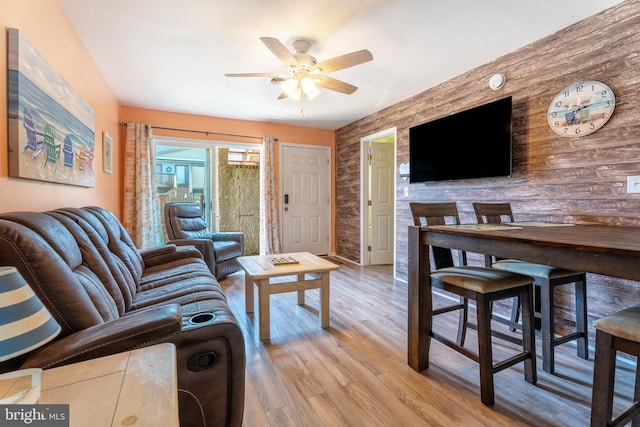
x=581 y=109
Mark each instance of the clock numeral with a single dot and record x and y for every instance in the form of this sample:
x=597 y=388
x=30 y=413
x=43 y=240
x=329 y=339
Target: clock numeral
x=567 y=94
x=553 y=115
x=556 y=124
x=579 y=88
x=578 y=131
x=592 y=125
x=558 y=104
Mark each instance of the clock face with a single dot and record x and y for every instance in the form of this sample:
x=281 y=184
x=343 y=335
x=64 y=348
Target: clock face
x=581 y=109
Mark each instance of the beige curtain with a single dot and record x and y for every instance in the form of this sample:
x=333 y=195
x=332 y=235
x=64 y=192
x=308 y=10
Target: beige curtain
x=270 y=224
x=140 y=216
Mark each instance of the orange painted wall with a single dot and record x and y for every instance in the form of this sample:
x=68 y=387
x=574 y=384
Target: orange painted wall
x=284 y=133
x=45 y=25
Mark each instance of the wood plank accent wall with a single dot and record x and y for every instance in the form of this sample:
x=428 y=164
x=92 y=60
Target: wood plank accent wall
x=580 y=180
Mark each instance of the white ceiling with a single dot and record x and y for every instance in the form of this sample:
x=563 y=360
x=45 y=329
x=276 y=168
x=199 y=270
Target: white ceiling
x=172 y=55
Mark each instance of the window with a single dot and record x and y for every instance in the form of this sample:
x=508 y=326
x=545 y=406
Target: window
x=182 y=174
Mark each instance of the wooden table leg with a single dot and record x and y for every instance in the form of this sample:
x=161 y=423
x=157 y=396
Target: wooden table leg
x=419 y=301
x=263 y=308
x=324 y=300
x=547 y=325
x=248 y=293
x=301 y=292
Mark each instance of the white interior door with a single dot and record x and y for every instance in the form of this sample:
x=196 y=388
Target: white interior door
x=381 y=178
x=305 y=199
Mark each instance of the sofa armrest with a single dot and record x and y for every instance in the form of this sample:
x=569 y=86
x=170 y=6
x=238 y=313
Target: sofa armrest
x=123 y=334
x=158 y=251
x=204 y=247
x=238 y=236
x=167 y=253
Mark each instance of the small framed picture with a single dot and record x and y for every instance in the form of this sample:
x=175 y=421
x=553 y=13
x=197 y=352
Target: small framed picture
x=107 y=152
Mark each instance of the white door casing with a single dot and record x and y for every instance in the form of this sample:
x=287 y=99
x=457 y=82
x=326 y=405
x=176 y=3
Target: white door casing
x=367 y=230
x=381 y=194
x=305 y=199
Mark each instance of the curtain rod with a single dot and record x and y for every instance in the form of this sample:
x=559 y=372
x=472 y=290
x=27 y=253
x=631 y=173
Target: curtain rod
x=203 y=132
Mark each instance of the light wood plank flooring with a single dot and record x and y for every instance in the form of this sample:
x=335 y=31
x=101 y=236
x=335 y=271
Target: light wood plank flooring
x=355 y=373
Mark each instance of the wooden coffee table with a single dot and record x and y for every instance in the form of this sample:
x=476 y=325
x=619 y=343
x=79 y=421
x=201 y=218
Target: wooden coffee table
x=311 y=272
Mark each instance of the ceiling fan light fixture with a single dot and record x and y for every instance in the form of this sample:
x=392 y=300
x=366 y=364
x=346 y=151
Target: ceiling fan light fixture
x=313 y=94
x=305 y=75
x=308 y=85
x=296 y=95
x=289 y=86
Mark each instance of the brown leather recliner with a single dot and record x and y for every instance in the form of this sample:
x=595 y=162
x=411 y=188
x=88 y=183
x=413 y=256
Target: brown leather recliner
x=108 y=297
x=186 y=226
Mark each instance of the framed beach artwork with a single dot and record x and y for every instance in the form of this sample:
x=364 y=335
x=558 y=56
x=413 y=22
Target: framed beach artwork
x=107 y=152
x=51 y=128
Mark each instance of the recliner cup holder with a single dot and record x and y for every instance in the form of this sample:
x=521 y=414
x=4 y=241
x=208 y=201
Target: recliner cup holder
x=202 y=318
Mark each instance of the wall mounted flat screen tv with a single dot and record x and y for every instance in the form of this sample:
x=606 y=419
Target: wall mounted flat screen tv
x=474 y=143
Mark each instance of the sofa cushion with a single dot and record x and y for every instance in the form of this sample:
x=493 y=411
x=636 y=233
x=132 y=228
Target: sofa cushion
x=119 y=241
x=70 y=276
x=94 y=230
x=187 y=284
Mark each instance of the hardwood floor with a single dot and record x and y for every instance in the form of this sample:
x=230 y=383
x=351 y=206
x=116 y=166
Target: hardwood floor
x=355 y=372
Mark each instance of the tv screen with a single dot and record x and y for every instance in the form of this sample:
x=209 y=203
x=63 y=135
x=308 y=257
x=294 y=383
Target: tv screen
x=474 y=143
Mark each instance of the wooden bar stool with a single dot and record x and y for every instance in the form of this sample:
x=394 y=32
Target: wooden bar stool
x=482 y=285
x=546 y=279
x=617 y=332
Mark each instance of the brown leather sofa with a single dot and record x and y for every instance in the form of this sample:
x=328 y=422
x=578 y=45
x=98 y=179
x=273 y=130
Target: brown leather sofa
x=109 y=297
x=186 y=226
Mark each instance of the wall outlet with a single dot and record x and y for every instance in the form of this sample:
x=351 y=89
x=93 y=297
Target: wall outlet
x=633 y=184
x=406 y=191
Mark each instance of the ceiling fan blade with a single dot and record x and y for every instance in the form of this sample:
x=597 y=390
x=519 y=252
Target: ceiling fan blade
x=283 y=95
x=345 y=61
x=252 y=75
x=280 y=51
x=335 y=85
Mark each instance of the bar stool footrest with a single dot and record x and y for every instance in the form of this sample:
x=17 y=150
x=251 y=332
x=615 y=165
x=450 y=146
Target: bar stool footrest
x=457 y=347
x=507 y=363
x=567 y=338
x=498 y=334
x=497 y=367
x=627 y=416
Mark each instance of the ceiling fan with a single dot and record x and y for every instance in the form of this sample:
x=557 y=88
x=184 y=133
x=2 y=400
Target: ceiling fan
x=304 y=73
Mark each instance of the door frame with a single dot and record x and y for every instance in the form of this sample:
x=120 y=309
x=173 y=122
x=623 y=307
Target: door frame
x=364 y=193
x=328 y=149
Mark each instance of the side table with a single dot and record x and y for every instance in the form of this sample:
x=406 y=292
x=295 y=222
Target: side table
x=136 y=388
